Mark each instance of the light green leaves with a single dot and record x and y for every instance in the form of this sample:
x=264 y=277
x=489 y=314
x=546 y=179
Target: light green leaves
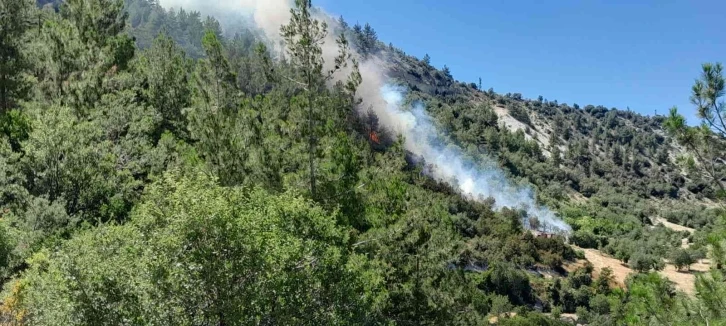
x=196 y=252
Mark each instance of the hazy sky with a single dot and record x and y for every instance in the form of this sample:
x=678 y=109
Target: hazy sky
x=639 y=54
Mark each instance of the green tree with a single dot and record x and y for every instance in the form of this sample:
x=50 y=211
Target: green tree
x=370 y=39
x=707 y=93
x=555 y=151
x=682 y=258
x=15 y=19
x=600 y=304
x=706 y=141
x=500 y=305
x=215 y=80
x=230 y=131
x=652 y=299
x=504 y=280
x=60 y=58
x=644 y=262
x=304 y=37
x=98 y=21
x=234 y=145
x=603 y=281
x=617 y=155
x=711 y=292
x=68 y=160
x=78 y=50
x=195 y=253
x=165 y=70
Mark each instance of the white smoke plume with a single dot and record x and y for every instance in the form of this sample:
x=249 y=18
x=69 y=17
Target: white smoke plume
x=478 y=181
x=267 y=15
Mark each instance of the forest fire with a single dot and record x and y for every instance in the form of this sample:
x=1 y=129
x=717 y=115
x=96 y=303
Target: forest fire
x=374 y=137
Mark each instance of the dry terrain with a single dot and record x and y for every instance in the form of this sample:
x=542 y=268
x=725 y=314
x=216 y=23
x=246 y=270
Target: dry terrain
x=600 y=261
x=509 y=122
x=673 y=226
x=683 y=280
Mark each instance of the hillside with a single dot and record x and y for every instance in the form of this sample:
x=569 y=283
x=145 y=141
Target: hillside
x=627 y=150
x=159 y=168
x=618 y=167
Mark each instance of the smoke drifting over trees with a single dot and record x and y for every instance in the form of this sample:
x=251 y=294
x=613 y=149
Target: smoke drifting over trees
x=378 y=95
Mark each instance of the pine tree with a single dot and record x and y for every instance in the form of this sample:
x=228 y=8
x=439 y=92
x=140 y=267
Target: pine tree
x=343 y=24
x=60 y=60
x=555 y=150
x=304 y=37
x=707 y=96
x=617 y=155
x=98 y=21
x=165 y=69
x=358 y=38
x=370 y=39
x=14 y=21
x=213 y=111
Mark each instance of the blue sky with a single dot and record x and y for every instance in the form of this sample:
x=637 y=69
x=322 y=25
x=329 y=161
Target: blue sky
x=639 y=54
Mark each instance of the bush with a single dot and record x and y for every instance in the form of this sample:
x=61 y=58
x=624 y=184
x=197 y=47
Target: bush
x=600 y=304
x=504 y=279
x=642 y=262
x=15 y=125
x=579 y=279
x=580 y=254
x=190 y=239
x=584 y=239
x=531 y=319
x=583 y=316
x=520 y=113
x=682 y=258
x=500 y=305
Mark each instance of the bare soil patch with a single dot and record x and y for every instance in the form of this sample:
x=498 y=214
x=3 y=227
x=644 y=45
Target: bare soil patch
x=683 y=280
x=509 y=122
x=600 y=261
x=673 y=226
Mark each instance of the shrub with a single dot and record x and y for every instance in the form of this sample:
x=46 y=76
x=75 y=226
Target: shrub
x=645 y=262
x=504 y=279
x=520 y=113
x=682 y=258
x=584 y=239
x=600 y=304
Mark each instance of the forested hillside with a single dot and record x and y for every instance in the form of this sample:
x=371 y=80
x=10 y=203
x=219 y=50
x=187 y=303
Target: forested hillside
x=611 y=173
x=157 y=169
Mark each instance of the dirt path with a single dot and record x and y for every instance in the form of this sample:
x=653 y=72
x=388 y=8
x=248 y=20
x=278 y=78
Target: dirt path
x=678 y=228
x=673 y=226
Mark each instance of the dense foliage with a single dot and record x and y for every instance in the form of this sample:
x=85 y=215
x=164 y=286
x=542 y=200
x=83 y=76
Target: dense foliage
x=612 y=174
x=157 y=171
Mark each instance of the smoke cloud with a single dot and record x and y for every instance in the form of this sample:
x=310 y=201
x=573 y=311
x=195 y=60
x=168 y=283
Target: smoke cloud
x=267 y=15
x=478 y=181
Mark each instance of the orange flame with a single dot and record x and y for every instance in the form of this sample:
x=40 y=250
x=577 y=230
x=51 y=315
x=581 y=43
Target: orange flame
x=374 y=137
